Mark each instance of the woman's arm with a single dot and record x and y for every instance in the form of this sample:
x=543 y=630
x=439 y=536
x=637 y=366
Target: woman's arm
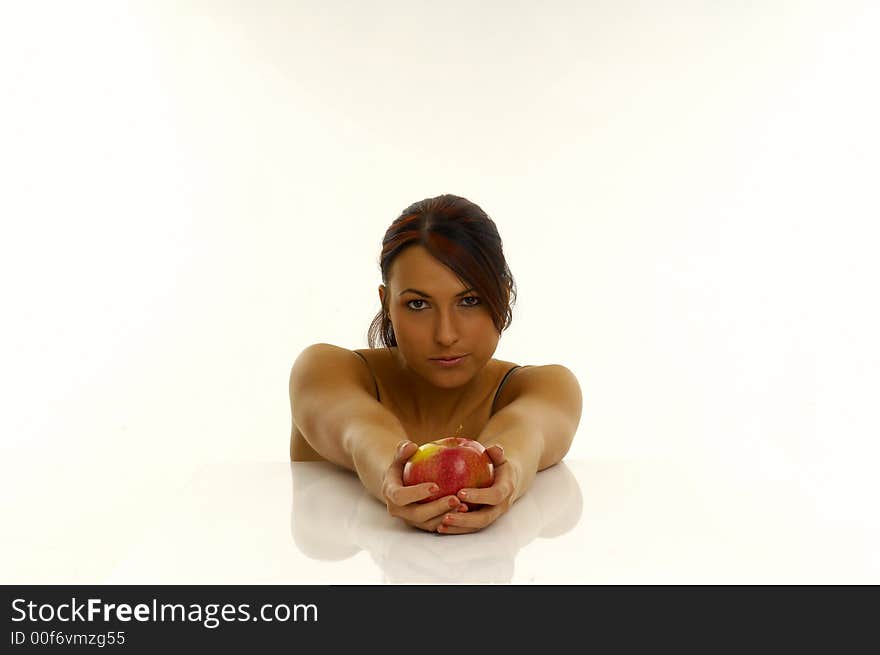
x=333 y=407
x=539 y=412
x=537 y=421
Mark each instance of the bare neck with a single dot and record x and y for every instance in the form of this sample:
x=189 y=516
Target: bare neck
x=430 y=405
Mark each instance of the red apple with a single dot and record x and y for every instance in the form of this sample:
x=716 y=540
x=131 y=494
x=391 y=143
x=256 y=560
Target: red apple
x=452 y=463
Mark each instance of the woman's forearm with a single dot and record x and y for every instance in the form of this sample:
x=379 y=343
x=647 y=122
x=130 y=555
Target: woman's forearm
x=372 y=448
x=529 y=444
x=522 y=451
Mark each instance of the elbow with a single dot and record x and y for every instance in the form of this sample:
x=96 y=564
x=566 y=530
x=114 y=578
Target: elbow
x=555 y=449
x=573 y=411
x=558 y=442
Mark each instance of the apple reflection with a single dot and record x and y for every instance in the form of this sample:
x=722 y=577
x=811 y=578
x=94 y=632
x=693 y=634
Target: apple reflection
x=334 y=518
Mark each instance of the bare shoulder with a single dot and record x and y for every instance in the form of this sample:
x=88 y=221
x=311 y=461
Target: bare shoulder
x=328 y=364
x=373 y=355
x=550 y=381
x=377 y=355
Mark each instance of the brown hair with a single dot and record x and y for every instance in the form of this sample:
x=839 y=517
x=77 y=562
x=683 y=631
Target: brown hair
x=461 y=235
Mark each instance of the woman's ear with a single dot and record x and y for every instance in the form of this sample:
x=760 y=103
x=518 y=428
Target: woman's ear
x=382 y=296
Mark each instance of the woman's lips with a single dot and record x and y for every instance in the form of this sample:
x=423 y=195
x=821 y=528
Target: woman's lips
x=447 y=363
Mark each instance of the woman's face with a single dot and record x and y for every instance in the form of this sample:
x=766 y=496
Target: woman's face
x=435 y=315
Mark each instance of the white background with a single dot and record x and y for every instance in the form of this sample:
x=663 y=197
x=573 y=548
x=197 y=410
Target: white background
x=192 y=192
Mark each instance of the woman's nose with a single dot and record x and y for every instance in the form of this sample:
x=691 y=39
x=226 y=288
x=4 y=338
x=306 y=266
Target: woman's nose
x=446 y=331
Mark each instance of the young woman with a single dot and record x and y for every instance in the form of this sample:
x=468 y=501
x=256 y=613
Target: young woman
x=446 y=298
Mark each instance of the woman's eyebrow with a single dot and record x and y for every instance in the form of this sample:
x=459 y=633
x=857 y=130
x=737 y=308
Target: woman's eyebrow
x=422 y=293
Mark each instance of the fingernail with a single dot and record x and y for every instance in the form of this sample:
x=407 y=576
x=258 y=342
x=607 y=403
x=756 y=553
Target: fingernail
x=434 y=489
x=463 y=494
x=453 y=502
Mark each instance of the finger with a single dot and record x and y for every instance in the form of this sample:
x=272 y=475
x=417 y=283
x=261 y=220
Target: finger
x=405 y=495
x=430 y=525
x=438 y=508
x=432 y=510
x=419 y=526
x=433 y=524
x=405 y=450
x=451 y=529
x=496 y=452
x=454 y=526
x=494 y=495
x=427 y=527
x=393 y=480
x=394 y=475
x=472 y=520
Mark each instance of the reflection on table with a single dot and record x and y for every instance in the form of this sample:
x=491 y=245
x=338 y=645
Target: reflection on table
x=333 y=518
x=614 y=521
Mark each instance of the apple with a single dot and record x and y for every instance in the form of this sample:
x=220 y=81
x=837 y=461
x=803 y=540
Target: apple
x=452 y=463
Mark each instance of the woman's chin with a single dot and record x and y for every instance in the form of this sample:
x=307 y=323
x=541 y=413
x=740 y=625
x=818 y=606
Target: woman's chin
x=450 y=379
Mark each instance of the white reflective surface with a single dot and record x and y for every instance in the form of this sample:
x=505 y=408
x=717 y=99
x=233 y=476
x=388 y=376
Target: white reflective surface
x=606 y=522
x=722 y=267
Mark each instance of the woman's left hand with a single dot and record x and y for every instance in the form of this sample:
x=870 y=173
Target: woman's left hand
x=496 y=499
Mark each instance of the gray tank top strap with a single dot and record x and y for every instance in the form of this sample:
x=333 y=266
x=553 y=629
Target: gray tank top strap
x=371 y=373
x=501 y=386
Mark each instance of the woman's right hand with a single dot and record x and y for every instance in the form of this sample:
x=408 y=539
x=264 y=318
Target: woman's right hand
x=402 y=501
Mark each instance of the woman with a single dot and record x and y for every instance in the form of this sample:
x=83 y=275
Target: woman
x=445 y=298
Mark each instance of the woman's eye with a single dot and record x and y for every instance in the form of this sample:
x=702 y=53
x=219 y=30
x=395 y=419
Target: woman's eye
x=476 y=302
